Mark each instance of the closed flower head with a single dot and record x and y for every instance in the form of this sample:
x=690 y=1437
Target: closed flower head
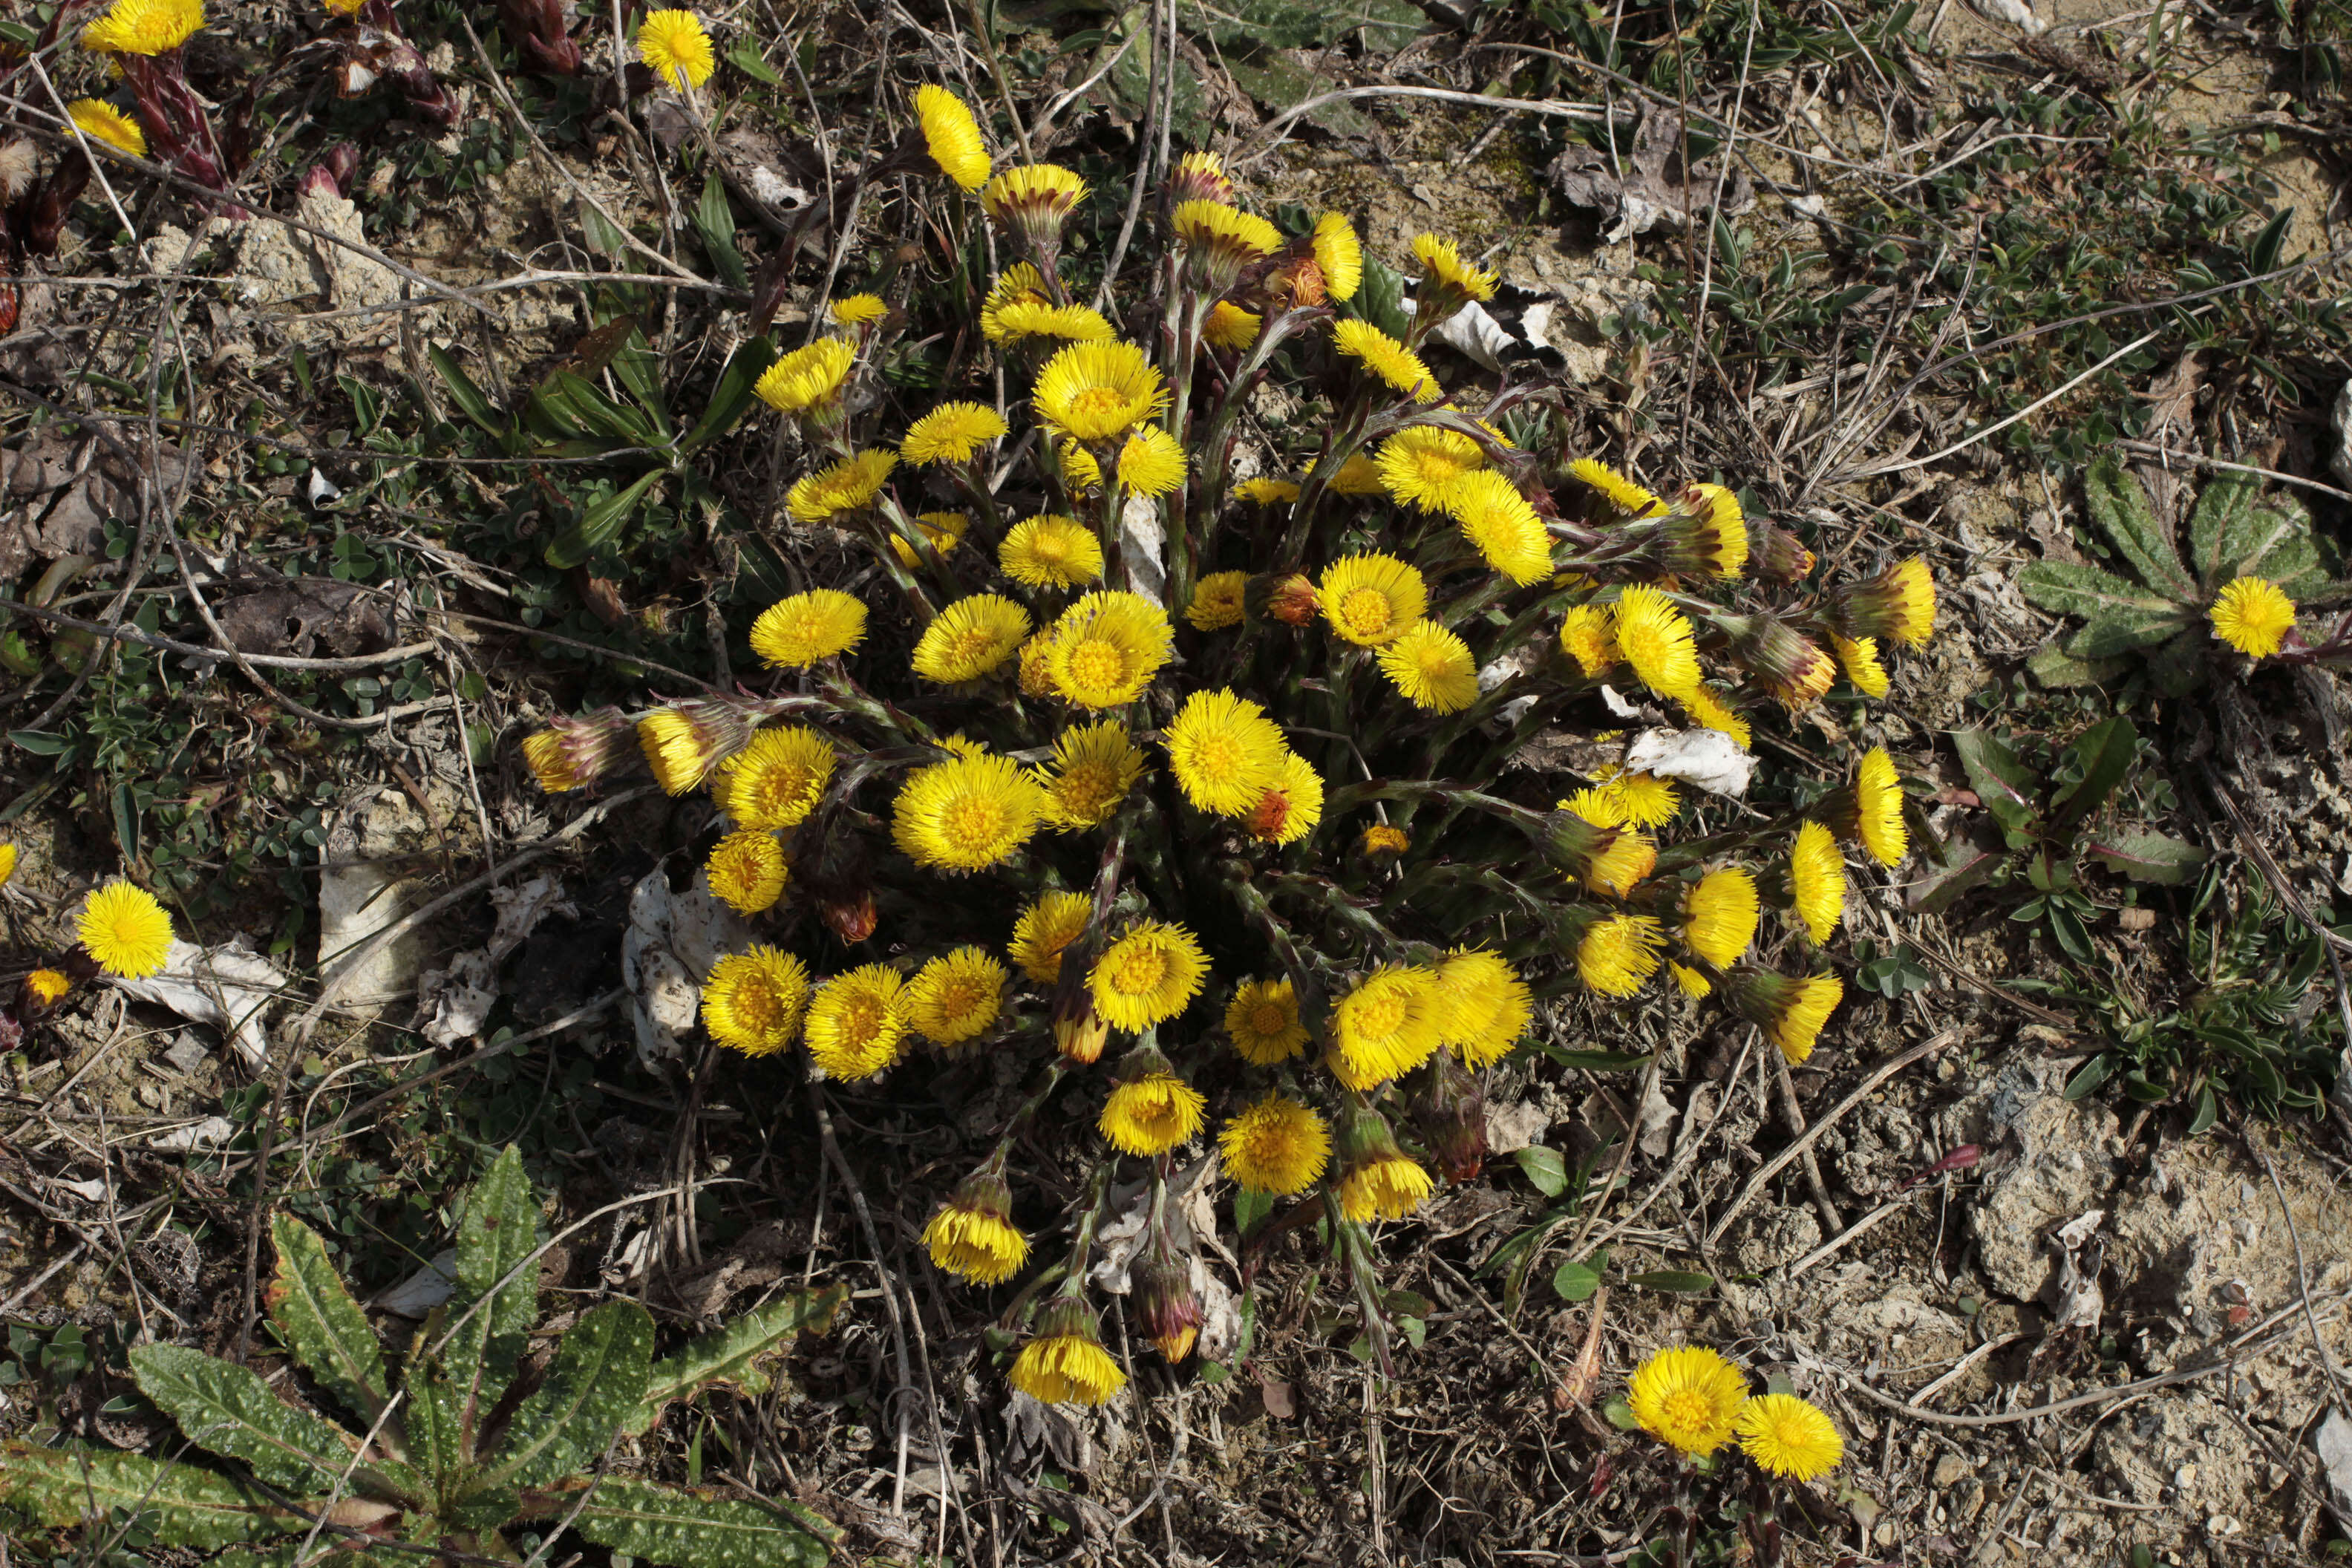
x=753 y=1000
x=1050 y=553
x=1198 y=177
x=1151 y=463
x=1262 y=1020
x=857 y=1022
x=1788 y=1438
x=1785 y=662
x=1896 y=605
x=1387 y=1025
x=684 y=743
x=967 y=813
x=776 y=780
x=1790 y=1012
x=951 y=136
x=573 y=752
x=972 y=1236
x=1447 y=283
x=857 y=310
x=1706 y=536
x=101 y=121
x=1040 y=318
x=1719 y=915
x=1432 y=667
x=1372 y=599
x=952 y=433
x=1045 y=929
x=746 y=870
x=2253 y=615
x=1147 y=975
x=1098 y=391
x=1613 y=498
x=971 y=638
x=1219 y=240
x=1277 y=1146
x=942 y=530
x=1859 y=658
x=1656 y=641
x=808 y=378
x=1031 y=203
x=1390 y=1188
x=1231 y=328
x=1878 y=808
x=1340 y=254
x=955 y=996
x=1687 y=1397
x=1151 y=1114
x=1709 y=709
x=1385 y=358
x=1817 y=880
x=1643 y=800
x=1224 y=751
x=1089 y=776
x=1065 y=1363
x=125 y=931
x=1588 y=634
x=1267 y=492
x=794 y=633
x=675 y=45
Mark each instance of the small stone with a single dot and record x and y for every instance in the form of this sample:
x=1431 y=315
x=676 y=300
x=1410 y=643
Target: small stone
x=2222 y=1524
x=186 y=1053
x=2185 y=1477
x=1949 y=1470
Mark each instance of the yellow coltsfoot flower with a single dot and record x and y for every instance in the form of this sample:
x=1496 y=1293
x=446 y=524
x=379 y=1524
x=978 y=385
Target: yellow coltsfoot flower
x=1151 y=463
x=957 y=995
x=1231 y=328
x=1687 y=1397
x=1340 y=255
x=1448 y=282
x=1045 y=929
x=125 y=931
x=1817 y=880
x=746 y=871
x=966 y=814
x=1287 y=809
x=1034 y=198
x=1719 y=916
x=1618 y=498
x=1090 y=774
x=1656 y=640
x=1878 y=808
x=776 y=780
x=1390 y=1188
x=1019 y=318
x=1217 y=601
x=1065 y=1363
x=848 y=486
x=1224 y=751
x=1432 y=667
x=1275 y=1146
x=1790 y=1012
x=1788 y=1437
x=1262 y=1020
x=1859 y=658
x=1487 y=1007
x=1386 y=359
x=1588 y=634
x=952 y=433
x=971 y=638
x=1387 y=1025
x=951 y=136
x=796 y=632
x=1050 y=553
x=942 y=530
x=754 y=1001
x=972 y=1235
x=1151 y=1113
x=1372 y=599
x=1267 y=492
x=808 y=378
x=1501 y=524
x=857 y=1022
x=1147 y=975
x=2253 y=615
x=1099 y=390
x=143 y=26
x=678 y=49
x=1419 y=466
x=1615 y=955
x=101 y=121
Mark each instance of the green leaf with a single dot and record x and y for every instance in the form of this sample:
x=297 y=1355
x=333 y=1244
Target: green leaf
x=2058 y=670
x=1576 y=1281
x=714 y=225
x=667 y=1524
x=2208 y=1111
x=1971 y=866
x=2089 y=1076
x=596 y=1381
x=2107 y=750
x=1596 y=1062
x=1679 y=1281
x=732 y=1353
x=598 y=523
x=2112 y=632
x=2000 y=780
x=429 y=1418
x=1546 y=1170
x=465 y=393
x=2120 y=508
x=497 y=1235
x=2152 y=857
x=1267 y=25
x=745 y=57
x=314 y=1314
x=750 y=360
x=231 y=1411
x=2068 y=588
x=2262 y=255
x=1380 y=298
x=637 y=370
x=58 y=1488
x=578 y=405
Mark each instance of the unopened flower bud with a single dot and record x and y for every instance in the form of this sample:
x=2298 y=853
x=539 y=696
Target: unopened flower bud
x=41 y=991
x=1792 y=666
x=1079 y=1033
x=1450 y=1109
x=1294 y=601
x=852 y=920
x=573 y=752
x=684 y=743
x=972 y=1235
x=1164 y=1301
x=1375 y=1176
x=1198 y=177
x=1780 y=555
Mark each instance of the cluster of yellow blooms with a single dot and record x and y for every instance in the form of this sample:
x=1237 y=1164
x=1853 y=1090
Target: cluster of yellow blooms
x=1694 y=1400
x=1139 y=741
x=122 y=932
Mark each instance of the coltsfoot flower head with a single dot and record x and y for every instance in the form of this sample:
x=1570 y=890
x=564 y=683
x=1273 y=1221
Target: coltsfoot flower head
x=1641 y=800
x=1485 y=1005
x=1372 y=599
x=1615 y=497
x=1275 y=1146
x=1231 y=328
x=143 y=26
x=1656 y=641
x=1375 y=1177
x=807 y=380
x=1340 y=255
x=1787 y=663
x=967 y=813
x=1065 y=1363
x=678 y=49
x=1780 y=555
x=1042 y=319
x=2253 y=615
x=1019 y=284
x=951 y=136
x=1045 y=929
x=1719 y=915
x=1147 y=975
x=1872 y=810
x=7 y=862
x=1089 y=776
x=1382 y=839
x=125 y=931
x=952 y=433
x=794 y=633
x=1198 y=177
x=1287 y=809
x=1152 y=1112
x=1432 y=667
x=1615 y=955
x=1502 y=525
x=1217 y=601
x=972 y=1235
x=1219 y=240
x=747 y=870
x=1151 y=463
x=572 y=751
x=1033 y=193
x=1447 y=283
x=101 y=121
x=44 y=989
x=1361 y=475
x=858 y=310
x=1790 y=1011
x=1588 y=839
x=1225 y=751
x=971 y=638
x=1050 y=553
x=1262 y=1020
x=1707 y=534
x=1294 y=601
x=776 y=780
x=857 y=1022
x=1387 y=1025
x=1709 y=709
x=1267 y=492
x=1896 y=605
x=1588 y=634
x=1385 y=358
x=942 y=530
x=1787 y=1436
x=956 y=996
x=1859 y=658
x=683 y=742
x=1687 y=1397
x=848 y=486
x=753 y=1000
x=1098 y=392
x=1817 y=880
x=1419 y=466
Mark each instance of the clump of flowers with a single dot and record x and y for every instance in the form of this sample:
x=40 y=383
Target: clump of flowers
x=1195 y=792
x=1692 y=1400
x=119 y=930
